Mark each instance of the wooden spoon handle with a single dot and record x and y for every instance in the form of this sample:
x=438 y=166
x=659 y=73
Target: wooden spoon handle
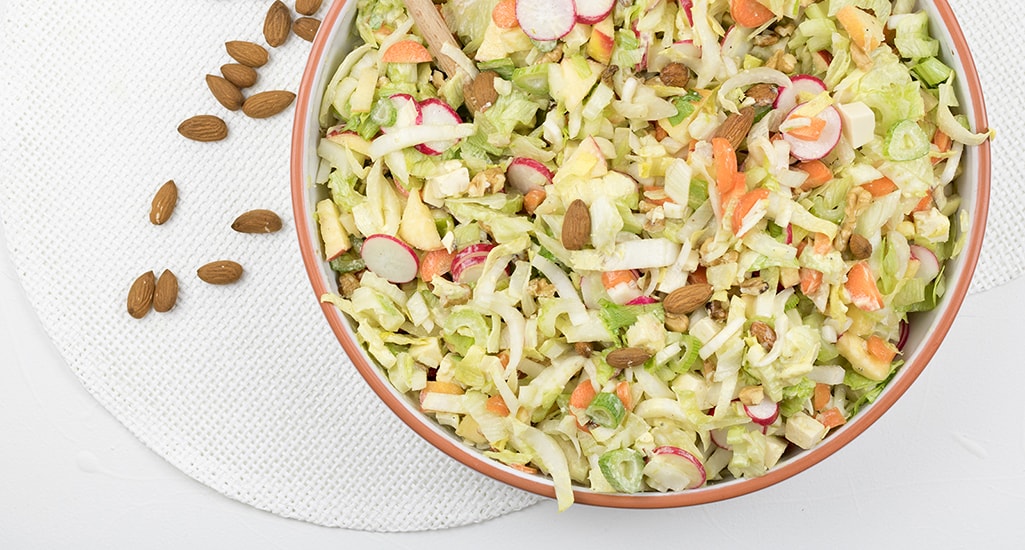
x=433 y=28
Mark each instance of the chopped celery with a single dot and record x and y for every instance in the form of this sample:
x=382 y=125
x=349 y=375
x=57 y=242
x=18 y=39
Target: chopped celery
x=606 y=410
x=906 y=141
x=932 y=72
x=623 y=469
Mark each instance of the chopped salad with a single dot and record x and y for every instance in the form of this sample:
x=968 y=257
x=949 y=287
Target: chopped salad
x=642 y=245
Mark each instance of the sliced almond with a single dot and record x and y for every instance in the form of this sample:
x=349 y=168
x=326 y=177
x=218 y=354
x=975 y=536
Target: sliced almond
x=225 y=92
x=627 y=357
x=307 y=7
x=140 y=295
x=163 y=203
x=204 y=128
x=267 y=104
x=687 y=299
x=277 y=25
x=480 y=94
x=736 y=126
x=576 y=226
x=257 y=221
x=166 y=294
x=242 y=76
x=247 y=53
x=222 y=272
x=306 y=28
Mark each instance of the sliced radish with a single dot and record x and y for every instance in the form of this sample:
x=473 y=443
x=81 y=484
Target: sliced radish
x=674 y=469
x=468 y=263
x=719 y=438
x=790 y=96
x=688 y=9
x=526 y=174
x=928 y=265
x=389 y=258
x=815 y=149
x=642 y=301
x=590 y=12
x=790 y=234
x=407 y=112
x=435 y=112
x=764 y=413
x=902 y=339
x=624 y=293
x=546 y=20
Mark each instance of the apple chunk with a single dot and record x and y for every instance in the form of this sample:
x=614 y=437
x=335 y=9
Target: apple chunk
x=336 y=240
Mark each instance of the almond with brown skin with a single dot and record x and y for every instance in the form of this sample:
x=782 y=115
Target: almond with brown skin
x=628 y=357
x=247 y=53
x=306 y=28
x=687 y=299
x=576 y=226
x=860 y=247
x=242 y=76
x=763 y=94
x=267 y=104
x=204 y=128
x=765 y=335
x=222 y=272
x=676 y=75
x=163 y=203
x=226 y=93
x=277 y=24
x=736 y=126
x=307 y=7
x=140 y=296
x=257 y=221
x=480 y=93
x=166 y=294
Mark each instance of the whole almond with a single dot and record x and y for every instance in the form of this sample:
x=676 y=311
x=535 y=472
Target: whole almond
x=277 y=24
x=860 y=247
x=267 y=104
x=225 y=92
x=204 y=128
x=686 y=299
x=627 y=357
x=306 y=28
x=257 y=221
x=765 y=335
x=163 y=203
x=763 y=94
x=480 y=93
x=307 y=7
x=576 y=226
x=736 y=126
x=222 y=272
x=166 y=294
x=247 y=53
x=242 y=76
x=140 y=295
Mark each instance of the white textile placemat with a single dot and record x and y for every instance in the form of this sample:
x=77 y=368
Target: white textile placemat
x=244 y=387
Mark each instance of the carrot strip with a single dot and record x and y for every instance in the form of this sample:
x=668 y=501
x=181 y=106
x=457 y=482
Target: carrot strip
x=744 y=205
x=533 y=199
x=943 y=143
x=435 y=264
x=811 y=280
x=811 y=132
x=443 y=387
x=623 y=393
x=821 y=396
x=881 y=349
x=504 y=15
x=612 y=279
x=725 y=160
x=822 y=244
x=496 y=404
x=750 y=13
x=861 y=285
x=924 y=204
x=818 y=174
x=582 y=395
x=831 y=418
x=406 y=51
x=880 y=187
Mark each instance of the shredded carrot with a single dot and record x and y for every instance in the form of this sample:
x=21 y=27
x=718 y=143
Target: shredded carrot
x=443 y=387
x=656 y=195
x=698 y=276
x=533 y=199
x=523 y=468
x=725 y=160
x=818 y=174
x=924 y=204
x=811 y=280
x=865 y=30
x=881 y=349
x=496 y=404
x=821 y=396
x=831 y=418
x=623 y=393
x=406 y=51
x=582 y=395
x=435 y=264
x=811 y=132
x=612 y=279
x=750 y=13
x=861 y=286
x=504 y=15
x=880 y=187
x=943 y=144
x=744 y=205
x=822 y=244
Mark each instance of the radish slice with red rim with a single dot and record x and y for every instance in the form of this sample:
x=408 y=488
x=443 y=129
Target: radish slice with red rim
x=790 y=96
x=435 y=112
x=526 y=174
x=590 y=12
x=642 y=301
x=390 y=258
x=671 y=468
x=902 y=339
x=719 y=438
x=928 y=264
x=407 y=112
x=764 y=413
x=546 y=20
x=803 y=149
x=468 y=262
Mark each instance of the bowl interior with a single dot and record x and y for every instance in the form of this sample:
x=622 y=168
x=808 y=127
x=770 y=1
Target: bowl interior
x=927 y=330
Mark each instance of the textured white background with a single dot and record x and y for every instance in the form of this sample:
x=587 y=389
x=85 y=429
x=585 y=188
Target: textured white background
x=243 y=387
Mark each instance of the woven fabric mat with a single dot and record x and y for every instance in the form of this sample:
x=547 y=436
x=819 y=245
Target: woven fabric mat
x=244 y=387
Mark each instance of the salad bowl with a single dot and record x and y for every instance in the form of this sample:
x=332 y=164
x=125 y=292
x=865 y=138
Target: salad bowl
x=920 y=341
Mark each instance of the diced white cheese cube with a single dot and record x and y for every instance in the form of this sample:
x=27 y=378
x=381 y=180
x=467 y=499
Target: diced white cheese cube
x=859 y=123
x=804 y=431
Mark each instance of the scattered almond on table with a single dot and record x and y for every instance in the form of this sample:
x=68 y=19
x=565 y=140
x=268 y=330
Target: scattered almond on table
x=204 y=128
x=221 y=272
x=306 y=28
x=225 y=92
x=267 y=104
x=166 y=294
x=164 y=201
x=140 y=295
x=277 y=25
x=257 y=221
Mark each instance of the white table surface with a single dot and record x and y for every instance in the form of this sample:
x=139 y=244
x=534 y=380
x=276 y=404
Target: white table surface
x=944 y=468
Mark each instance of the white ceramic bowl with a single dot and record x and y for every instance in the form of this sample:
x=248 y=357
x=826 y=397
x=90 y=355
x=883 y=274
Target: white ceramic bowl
x=337 y=37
